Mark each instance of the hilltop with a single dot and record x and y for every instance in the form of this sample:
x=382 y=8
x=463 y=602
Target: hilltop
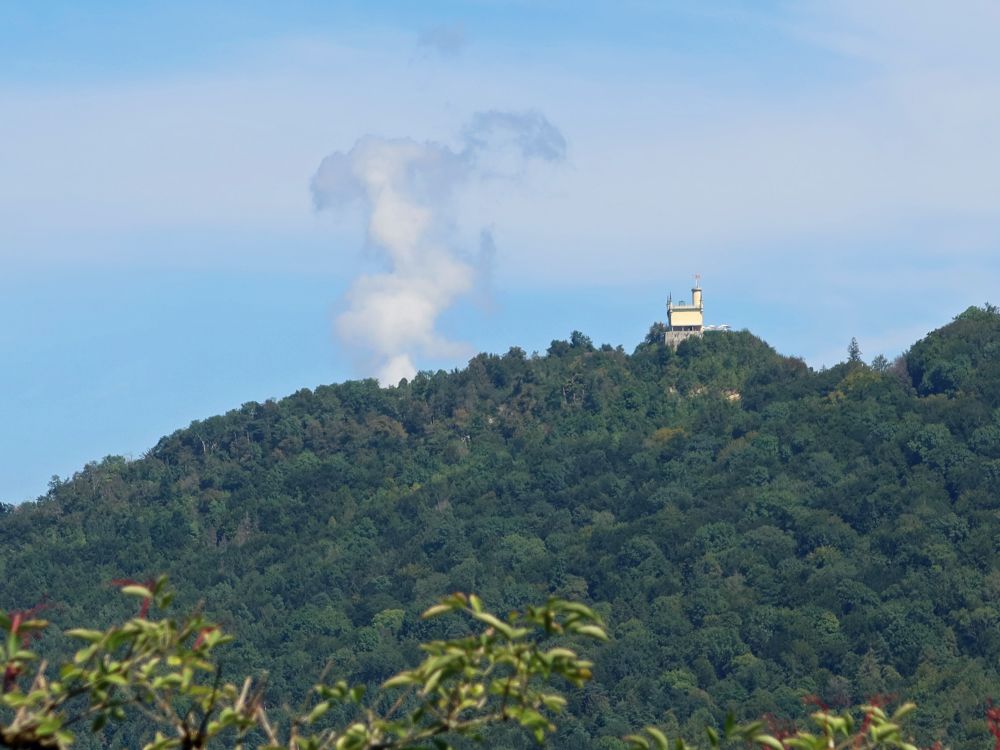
x=753 y=530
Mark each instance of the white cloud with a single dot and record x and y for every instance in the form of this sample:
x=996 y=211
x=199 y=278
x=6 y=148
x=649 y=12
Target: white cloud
x=406 y=189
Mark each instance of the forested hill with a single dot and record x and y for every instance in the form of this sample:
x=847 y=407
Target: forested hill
x=753 y=531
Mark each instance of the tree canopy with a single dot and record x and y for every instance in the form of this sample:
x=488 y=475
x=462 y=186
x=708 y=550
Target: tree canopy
x=754 y=532
x=166 y=672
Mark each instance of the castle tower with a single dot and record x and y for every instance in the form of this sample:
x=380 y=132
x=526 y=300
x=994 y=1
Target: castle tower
x=683 y=319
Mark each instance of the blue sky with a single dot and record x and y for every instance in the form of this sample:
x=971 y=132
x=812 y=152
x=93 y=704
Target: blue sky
x=831 y=168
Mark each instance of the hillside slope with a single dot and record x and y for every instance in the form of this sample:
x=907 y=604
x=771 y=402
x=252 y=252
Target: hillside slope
x=754 y=531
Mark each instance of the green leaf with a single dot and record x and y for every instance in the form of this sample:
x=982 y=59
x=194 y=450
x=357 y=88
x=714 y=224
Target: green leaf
x=884 y=730
x=93 y=636
x=805 y=742
x=437 y=610
x=713 y=736
x=768 y=741
x=432 y=681
x=318 y=711
x=400 y=680
x=84 y=654
x=729 y=725
x=495 y=623
x=575 y=607
x=903 y=710
x=47 y=726
x=593 y=631
x=134 y=590
x=553 y=702
x=658 y=737
x=560 y=653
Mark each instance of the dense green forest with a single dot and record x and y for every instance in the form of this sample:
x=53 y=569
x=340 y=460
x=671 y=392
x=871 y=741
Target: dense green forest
x=757 y=535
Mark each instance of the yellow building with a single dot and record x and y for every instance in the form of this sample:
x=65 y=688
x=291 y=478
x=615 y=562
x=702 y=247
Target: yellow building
x=683 y=319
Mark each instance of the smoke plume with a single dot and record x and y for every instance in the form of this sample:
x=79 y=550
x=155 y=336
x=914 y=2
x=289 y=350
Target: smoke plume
x=406 y=189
